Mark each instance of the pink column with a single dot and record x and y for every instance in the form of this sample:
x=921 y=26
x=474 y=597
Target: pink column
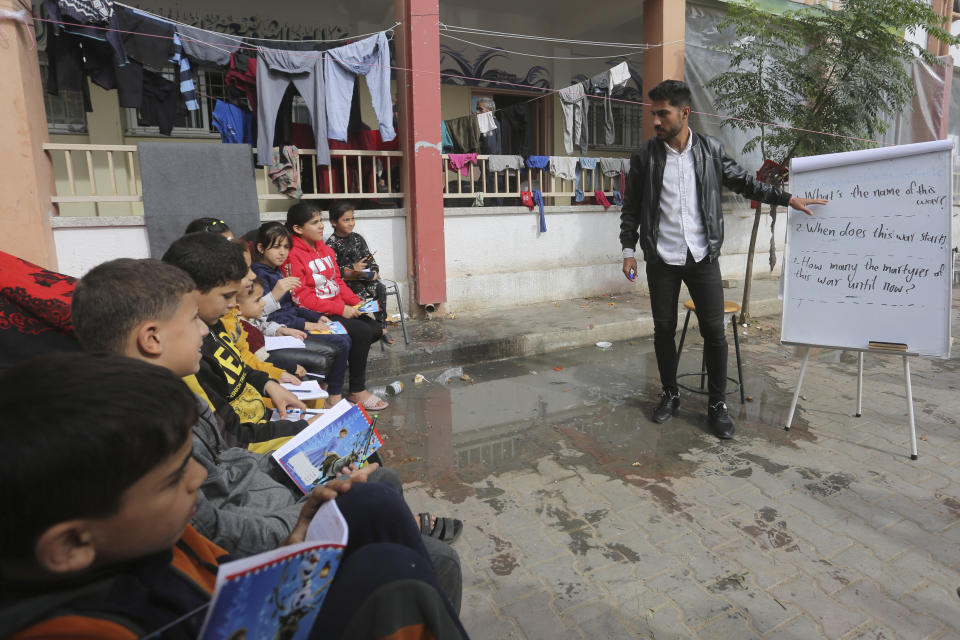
x=26 y=173
x=418 y=98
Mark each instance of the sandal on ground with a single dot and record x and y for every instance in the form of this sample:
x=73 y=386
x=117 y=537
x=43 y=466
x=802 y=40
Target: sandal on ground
x=444 y=529
x=375 y=403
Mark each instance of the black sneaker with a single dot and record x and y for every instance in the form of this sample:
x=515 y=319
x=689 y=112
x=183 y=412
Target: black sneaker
x=668 y=407
x=720 y=421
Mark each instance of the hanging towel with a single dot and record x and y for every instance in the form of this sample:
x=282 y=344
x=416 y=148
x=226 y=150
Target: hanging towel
x=601 y=199
x=619 y=75
x=446 y=142
x=461 y=161
x=538 y=199
x=465 y=134
x=527 y=199
x=496 y=164
x=538 y=162
x=563 y=167
x=285 y=171
x=486 y=122
x=612 y=167
x=370 y=58
x=574 y=108
x=207 y=46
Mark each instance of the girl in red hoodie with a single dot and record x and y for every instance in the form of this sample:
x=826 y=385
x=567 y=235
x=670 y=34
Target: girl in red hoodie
x=323 y=290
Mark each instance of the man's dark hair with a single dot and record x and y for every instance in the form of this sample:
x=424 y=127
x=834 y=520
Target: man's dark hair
x=300 y=214
x=87 y=426
x=210 y=225
x=339 y=210
x=116 y=296
x=209 y=258
x=675 y=92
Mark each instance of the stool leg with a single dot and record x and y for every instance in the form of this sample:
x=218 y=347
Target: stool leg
x=403 y=323
x=736 y=345
x=683 y=335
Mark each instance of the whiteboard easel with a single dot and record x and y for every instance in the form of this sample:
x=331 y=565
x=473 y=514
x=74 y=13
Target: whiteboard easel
x=907 y=383
x=870 y=268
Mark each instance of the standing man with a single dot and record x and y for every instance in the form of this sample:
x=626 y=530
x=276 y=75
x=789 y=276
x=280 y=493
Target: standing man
x=673 y=198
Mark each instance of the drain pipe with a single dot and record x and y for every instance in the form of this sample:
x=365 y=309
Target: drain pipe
x=429 y=308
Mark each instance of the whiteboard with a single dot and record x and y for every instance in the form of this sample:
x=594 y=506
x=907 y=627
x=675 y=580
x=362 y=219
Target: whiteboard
x=875 y=263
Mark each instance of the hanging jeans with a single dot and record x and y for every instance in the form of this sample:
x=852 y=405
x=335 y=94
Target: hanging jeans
x=369 y=57
x=276 y=69
x=538 y=199
x=574 y=108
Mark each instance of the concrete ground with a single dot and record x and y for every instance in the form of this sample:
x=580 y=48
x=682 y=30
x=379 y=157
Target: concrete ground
x=583 y=519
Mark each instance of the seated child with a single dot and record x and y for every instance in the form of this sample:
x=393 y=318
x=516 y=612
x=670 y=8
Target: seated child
x=324 y=357
x=103 y=548
x=148 y=310
x=218 y=269
x=209 y=225
x=353 y=258
x=324 y=291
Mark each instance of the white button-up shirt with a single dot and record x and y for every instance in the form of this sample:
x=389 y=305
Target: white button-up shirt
x=681 y=223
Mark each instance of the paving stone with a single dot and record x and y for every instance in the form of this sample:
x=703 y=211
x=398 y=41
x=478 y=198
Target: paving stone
x=833 y=618
x=660 y=528
x=868 y=597
x=568 y=587
x=942 y=549
x=604 y=627
x=696 y=604
x=936 y=601
x=871 y=631
x=764 y=569
x=665 y=623
x=820 y=512
x=895 y=580
x=932 y=518
x=876 y=515
x=536 y=618
x=706 y=565
x=925 y=565
x=732 y=625
x=712 y=532
x=830 y=576
x=520 y=585
x=763 y=612
x=480 y=620
x=535 y=548
x=824 y=541
x=799 y=628
x=884 y=546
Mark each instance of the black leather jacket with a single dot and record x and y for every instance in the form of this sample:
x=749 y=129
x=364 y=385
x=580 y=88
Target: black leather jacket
x=640 y=214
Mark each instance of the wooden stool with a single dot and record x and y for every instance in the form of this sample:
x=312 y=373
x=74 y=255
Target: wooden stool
x=728 y=307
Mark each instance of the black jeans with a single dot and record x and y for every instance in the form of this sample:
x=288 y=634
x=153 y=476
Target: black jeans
x=363 y=331
x=706 y=289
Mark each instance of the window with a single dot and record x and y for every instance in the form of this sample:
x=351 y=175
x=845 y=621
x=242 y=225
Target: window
x=187 y=124
x=65 y=112
x=626 y=123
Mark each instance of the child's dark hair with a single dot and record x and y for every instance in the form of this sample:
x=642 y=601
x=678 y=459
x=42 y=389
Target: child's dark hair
x=209 y=258
x=257 y=282
x=339 y=210
x=271 y=234
x=300 y=214
x=208 y=225
x=116 y=296
x=73 y=453
x=675 y=92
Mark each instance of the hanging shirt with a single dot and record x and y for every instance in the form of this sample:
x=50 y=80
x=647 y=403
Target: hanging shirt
x=681 y=223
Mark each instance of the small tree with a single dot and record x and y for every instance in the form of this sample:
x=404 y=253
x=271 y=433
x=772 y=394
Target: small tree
x=815 y=70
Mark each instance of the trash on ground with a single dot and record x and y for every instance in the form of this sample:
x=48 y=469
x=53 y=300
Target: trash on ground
x=419 y=379
x=466 y=378
x=637 y=464
x=603 y=344
x=558 y=368
x=449 y=374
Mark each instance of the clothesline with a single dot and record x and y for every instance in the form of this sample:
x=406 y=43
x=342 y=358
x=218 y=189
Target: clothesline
x=537 y=55
x=545 y=90
x=506 y=34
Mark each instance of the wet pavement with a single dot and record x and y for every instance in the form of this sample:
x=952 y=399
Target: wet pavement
x=585 y=519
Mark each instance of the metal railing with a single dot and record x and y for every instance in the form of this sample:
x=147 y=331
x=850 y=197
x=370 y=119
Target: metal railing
x=110 y=173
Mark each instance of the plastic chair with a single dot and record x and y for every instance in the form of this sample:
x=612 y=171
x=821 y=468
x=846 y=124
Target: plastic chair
x=728 y=307
x=394 y=290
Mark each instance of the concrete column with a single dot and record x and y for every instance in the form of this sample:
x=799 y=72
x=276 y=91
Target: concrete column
x=418 y=98
x=664 y=22
x=26 y=173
